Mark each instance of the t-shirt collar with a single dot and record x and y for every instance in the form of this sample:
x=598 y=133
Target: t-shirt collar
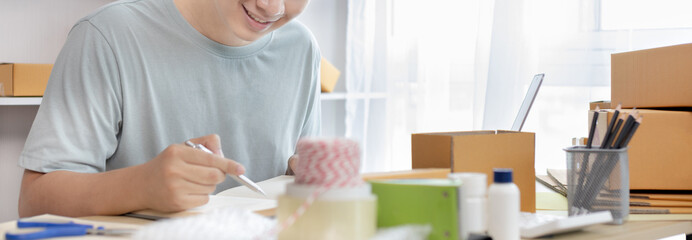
x=211 y=45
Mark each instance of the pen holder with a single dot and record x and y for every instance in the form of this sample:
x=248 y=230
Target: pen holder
x=598 y=180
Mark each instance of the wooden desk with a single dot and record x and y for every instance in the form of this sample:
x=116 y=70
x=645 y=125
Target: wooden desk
x=629 y=230
x=105 y=221
x=632 y=230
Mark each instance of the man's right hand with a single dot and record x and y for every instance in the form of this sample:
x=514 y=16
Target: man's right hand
x=182 y=177
x=179 y=178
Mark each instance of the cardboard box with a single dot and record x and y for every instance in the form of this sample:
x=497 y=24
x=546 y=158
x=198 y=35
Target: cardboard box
x=409 y=174
x=329 y=75
x=600 y=104
x=23 y=79
x=660 y=152
x=599 y=133
x=659 y=77
x=481 y=151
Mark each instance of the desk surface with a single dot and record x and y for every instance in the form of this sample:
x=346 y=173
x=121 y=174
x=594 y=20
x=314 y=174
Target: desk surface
x=105 y=221
x=633 y=229
x=629 y=230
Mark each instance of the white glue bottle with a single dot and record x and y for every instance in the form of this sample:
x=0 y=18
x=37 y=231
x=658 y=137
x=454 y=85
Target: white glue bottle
x=503 y=206
x=472 y=203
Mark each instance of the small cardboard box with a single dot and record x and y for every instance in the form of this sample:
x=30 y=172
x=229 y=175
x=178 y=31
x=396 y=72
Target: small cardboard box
x=409 y=174
x=659 y=77
x=599 y=133
x=23 y=79
x=600 y=104
x=660 y=152
x=481 y=151
x=329 y=75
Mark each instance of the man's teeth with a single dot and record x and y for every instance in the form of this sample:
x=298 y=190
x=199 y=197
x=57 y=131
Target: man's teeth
x=256 y=18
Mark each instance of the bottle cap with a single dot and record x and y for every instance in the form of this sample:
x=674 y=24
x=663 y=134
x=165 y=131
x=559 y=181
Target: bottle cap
x=502 y=175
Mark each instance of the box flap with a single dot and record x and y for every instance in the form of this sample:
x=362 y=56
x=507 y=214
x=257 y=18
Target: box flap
x=433 y=151
x=6 y=79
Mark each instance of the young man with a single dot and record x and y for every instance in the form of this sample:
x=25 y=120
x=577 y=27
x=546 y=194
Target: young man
x=138 y=78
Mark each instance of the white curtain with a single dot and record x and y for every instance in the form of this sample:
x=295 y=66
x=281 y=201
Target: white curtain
x=450 y=65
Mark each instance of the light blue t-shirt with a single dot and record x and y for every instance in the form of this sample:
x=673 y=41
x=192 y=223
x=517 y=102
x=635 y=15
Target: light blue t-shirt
x=135 y=77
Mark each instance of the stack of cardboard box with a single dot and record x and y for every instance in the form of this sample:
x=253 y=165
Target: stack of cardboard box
x=658 y=83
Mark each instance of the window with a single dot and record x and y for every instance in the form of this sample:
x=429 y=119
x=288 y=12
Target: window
x=645 y=14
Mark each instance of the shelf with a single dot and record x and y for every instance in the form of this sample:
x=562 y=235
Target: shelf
x=344 y=96
x=20 y=101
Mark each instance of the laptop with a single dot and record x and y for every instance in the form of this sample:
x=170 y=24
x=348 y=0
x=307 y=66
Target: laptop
x=528 y=101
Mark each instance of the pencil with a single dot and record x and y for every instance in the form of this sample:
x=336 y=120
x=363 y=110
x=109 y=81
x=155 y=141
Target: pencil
x=606 y=166
x=625 y=129
x=609 y=133
x=585 y=162
x=593 y=127
x=601 y=166
x=615 y=130
x=631 y=134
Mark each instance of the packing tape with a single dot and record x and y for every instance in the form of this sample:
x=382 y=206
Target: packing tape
x=325 y=163
x=328 y=162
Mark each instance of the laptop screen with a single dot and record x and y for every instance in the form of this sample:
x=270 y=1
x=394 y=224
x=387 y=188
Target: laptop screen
x=528 y=101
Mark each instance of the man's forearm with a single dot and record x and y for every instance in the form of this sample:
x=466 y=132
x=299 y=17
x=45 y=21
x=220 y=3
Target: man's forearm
x=81 y=194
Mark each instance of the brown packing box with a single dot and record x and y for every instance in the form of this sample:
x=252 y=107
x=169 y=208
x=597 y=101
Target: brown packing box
x=329 y=75
x=409 y=174
x=600 y=104
x=481 y=151
x=599 y=133
x=660 y=152
x=659 y=77
x=24 y=79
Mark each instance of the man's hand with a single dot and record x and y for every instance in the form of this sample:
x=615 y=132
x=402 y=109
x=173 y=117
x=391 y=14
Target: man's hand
x=292 y=164
x=182 y=177
x=179 y=178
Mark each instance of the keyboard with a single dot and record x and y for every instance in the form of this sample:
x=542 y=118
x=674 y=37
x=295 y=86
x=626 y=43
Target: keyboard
x=534 y=225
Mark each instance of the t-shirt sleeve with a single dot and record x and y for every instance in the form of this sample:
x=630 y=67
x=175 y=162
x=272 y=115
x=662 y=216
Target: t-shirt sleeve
x=313 y=124
x=77 y=125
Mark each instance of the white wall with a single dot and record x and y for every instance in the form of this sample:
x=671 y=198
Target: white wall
x=34 y=32
x=327 y=20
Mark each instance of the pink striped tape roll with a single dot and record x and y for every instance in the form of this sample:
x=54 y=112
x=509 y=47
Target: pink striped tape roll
x=331 y=162
x=326 y=163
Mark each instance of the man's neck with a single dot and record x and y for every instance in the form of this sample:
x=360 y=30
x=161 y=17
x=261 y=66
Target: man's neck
x=207 y=19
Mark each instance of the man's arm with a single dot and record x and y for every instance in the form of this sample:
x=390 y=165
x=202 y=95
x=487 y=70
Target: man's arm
x=80 y=194
x=179 y=178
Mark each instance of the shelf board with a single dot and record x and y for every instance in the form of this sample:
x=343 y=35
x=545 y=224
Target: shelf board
x=20 y=101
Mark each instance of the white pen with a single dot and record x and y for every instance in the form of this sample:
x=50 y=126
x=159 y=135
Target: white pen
x=239 y=178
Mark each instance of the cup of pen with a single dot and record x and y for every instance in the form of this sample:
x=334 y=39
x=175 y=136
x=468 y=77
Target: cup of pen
x=598 y=180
